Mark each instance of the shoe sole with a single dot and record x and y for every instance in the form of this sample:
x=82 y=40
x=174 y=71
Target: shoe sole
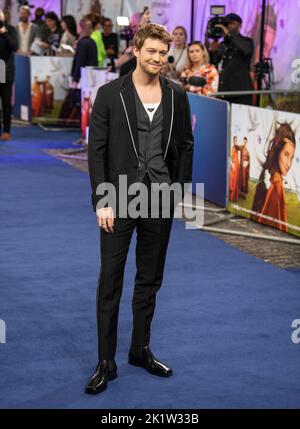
x=95 y=392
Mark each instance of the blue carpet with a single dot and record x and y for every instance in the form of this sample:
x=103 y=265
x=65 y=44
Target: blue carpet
x=295 y=271
x=223 y=319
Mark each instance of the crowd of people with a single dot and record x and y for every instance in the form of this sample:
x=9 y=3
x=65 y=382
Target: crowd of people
x=225 y=65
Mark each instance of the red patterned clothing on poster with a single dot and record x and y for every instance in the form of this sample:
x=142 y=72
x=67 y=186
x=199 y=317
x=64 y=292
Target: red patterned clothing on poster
x=208 y=72
x=234 y=175
x=274 y=205
x=85 y=115
x=244 y=170
x=36 y=99
x=49 y=96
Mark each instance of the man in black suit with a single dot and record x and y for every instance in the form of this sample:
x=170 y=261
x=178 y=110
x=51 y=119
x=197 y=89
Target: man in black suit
x=233 y=57
x=8 y=46
x=141 y=129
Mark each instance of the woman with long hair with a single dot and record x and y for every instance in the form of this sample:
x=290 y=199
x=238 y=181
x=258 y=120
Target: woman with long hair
x=178 y=57
x=199 y=66
x=69 y=36
x=269 y=200
x=52 y=40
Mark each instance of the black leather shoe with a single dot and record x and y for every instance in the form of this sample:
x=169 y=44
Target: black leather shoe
x=147 y=360
x=105 y=371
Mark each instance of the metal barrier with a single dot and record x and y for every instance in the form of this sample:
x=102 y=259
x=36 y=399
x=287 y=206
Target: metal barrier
x=259 y=92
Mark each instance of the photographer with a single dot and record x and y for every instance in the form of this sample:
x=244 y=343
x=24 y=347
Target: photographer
x=233 y=58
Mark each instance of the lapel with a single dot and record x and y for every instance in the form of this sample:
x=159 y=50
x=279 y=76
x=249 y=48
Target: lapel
x=128 y=100
x=127 y=95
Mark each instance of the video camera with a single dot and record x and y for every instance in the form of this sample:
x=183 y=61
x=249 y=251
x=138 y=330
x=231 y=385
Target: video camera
x=213 y=32
x=125 y=32
x=25 y=3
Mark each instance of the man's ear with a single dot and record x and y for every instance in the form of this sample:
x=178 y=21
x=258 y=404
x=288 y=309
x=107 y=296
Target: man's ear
x=136 y=51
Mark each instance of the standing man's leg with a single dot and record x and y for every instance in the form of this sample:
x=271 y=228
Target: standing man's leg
x=6 y=94
x=152 y=242
x=114 y=249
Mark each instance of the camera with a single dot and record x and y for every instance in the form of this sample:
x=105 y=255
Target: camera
x=213 y=32
x=126 y=34
x=25 y=3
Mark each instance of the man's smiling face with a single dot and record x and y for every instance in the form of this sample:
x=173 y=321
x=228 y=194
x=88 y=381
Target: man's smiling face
x=152 y=56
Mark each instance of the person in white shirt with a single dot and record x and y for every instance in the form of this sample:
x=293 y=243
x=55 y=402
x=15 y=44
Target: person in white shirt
x=26 y=31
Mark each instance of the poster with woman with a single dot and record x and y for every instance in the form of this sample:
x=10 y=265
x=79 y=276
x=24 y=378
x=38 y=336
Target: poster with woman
x=264 y=182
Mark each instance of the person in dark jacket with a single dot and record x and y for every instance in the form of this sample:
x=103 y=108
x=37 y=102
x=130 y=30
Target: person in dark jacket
x=86 y=51
x=110 y=39
x=8 y=45
x=52 y=35
x=233 y=58
x=140 y=131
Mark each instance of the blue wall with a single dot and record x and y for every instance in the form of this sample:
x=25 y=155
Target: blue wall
x=22 y=85
x=210 y=121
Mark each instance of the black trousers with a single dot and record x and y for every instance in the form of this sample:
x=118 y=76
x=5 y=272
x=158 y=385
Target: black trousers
x=151 y=248
x=5 y=95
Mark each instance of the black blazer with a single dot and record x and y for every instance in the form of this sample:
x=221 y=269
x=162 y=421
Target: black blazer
x=8 y=46
x=113 y=136
x=86 y=55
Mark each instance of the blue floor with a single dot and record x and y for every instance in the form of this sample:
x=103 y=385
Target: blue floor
x=223 y=318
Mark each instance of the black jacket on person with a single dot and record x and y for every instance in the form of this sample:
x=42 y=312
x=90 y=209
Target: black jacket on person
x=8 y=45
x=127 y=67
x=234 y=58
x=113 y=145
x=86 y=55
x=111 y=41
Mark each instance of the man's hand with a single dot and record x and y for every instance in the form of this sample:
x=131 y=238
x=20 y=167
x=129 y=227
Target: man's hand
x=105 y=217
x=214 y=46
x=224 y=29
x=110 y=52
x=3 y=30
